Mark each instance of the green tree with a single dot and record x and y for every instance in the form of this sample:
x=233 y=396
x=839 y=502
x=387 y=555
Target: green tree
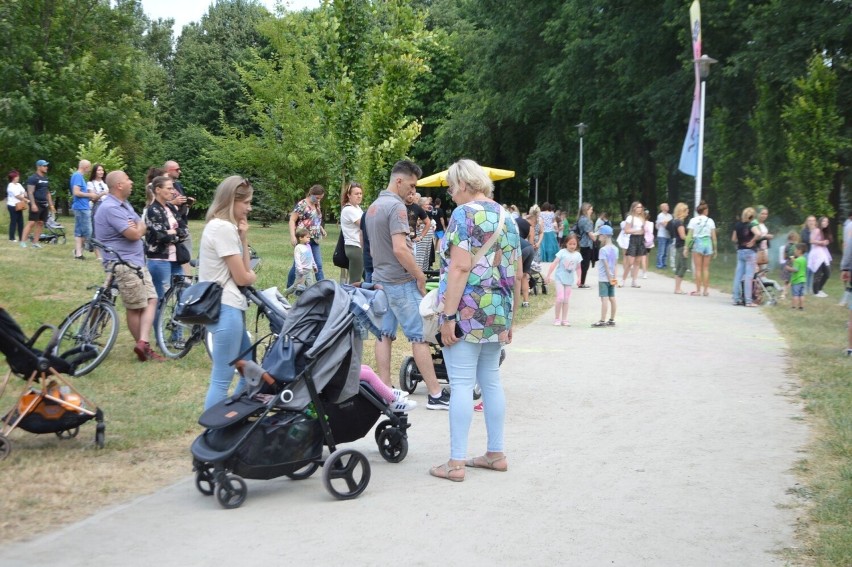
x=813 y=128
x=97 y=150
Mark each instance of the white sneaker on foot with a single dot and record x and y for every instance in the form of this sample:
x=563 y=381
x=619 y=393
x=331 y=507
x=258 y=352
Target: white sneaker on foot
x=822 y=294
x=402 y=406
x=399 y=395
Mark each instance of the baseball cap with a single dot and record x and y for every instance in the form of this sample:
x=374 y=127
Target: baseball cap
x=41 y=162
x=606 y=230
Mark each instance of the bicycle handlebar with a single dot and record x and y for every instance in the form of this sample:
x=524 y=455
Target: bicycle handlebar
x=119 y=260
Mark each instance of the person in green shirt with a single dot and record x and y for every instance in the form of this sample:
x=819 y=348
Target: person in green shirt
x=799 y=276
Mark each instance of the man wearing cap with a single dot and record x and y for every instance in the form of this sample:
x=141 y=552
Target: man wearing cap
x=121 y=229
x=181 y=201
x=81 y=204
x=41 y=204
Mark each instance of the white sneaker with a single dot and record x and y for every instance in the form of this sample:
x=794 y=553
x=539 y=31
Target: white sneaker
x=822 y=294
x=402 y=406
x=644 y=276
x=399 y=395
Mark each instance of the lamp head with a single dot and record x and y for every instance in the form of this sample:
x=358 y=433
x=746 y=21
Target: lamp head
x=704 y=63
x=582 y=128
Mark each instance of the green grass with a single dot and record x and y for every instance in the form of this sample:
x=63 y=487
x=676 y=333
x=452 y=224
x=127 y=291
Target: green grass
x=816 y=339
x=151 y=409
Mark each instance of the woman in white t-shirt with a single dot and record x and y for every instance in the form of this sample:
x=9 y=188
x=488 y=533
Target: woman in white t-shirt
x=350 y=226
x=701 y=238
x=225 y=259
x=15 y=194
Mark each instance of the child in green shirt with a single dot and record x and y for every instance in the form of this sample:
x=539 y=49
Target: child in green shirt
x=799 y=269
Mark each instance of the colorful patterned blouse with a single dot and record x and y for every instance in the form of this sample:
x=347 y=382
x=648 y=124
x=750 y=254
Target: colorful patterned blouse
x=485 y=309
x=310 y=218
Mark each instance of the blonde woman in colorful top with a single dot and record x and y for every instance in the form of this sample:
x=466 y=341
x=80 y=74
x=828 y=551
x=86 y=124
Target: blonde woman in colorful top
x=479 y=301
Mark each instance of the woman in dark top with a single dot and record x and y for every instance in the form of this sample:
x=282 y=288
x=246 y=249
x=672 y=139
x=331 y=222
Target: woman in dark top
x=166 y=230
x=745 y=235
x=677 y=230
x=586 y=231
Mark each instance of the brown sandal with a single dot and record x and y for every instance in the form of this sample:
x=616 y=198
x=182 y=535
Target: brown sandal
x=446 y=471
x=487 y=463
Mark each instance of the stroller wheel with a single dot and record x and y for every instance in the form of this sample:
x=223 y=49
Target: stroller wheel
x=346 y=468
x=100 y=436
x=393 y=445
x=407 y=379
x=304 y=472
x=5 y=447
x=204 y=480
x=232 y=492
x=68 y=433
x=381 y=427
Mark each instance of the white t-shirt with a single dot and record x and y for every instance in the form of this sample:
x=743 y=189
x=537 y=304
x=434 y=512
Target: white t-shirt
x=350 y=221
x=219 y=240
x=98 y=187
x=14 y=193
x=701 y=226
x=662 y=231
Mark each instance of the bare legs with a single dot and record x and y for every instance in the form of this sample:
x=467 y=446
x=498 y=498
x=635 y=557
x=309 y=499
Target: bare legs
x=702 y=273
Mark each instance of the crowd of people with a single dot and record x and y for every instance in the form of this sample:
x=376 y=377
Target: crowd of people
x=487 y=254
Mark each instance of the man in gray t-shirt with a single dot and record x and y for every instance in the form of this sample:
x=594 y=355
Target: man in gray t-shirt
x=395 y=269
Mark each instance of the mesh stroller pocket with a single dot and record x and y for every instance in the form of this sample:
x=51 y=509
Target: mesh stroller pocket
x=279 y=444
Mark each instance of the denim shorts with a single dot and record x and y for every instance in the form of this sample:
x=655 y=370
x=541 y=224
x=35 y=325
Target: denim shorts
x=404 y=302
x=83 y=223
x=703 y=245
x=798 y=290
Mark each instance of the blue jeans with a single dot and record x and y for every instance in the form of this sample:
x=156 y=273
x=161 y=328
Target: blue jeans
x=315 y=250
x=744 y=275
x=162 y=272
x=469 y=363
x=662 y=251
x=229 y=340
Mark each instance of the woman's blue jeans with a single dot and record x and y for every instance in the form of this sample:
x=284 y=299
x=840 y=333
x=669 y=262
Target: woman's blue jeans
x=468 y=363
x=162 y=272
x=229 y=340
x=315 y=250
x=744 y=276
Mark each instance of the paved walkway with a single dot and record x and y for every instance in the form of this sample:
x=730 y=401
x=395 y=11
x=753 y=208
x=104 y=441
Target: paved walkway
x=634 y=445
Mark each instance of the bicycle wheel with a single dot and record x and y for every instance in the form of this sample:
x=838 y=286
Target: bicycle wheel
x=92 y=327
x=174 y=339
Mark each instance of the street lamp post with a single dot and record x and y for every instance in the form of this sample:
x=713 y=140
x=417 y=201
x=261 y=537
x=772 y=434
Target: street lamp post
x=703 y=63
x=581 y=129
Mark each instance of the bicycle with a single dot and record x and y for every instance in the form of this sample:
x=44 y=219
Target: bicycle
x=94 y=325
x=176 y=339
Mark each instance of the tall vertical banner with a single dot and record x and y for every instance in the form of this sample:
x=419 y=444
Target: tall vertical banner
x=689 y=153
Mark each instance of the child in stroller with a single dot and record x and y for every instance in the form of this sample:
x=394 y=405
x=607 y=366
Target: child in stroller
x=48 y=403
x=306 y=393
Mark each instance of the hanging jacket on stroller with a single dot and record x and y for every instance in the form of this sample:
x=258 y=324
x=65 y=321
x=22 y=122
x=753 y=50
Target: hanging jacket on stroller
x=307 y=382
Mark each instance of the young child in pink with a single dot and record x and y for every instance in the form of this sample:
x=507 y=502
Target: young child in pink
x=397 y=399
x=567 y=266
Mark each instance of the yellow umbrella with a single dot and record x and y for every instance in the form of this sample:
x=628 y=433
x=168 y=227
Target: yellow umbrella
x=440 y=179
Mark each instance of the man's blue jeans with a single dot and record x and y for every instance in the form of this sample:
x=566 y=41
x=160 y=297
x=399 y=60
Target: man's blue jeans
x=662 y=251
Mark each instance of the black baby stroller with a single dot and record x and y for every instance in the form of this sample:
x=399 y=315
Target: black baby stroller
x=48 y=402
x=306 y=393
x=537 y=282
x=53 y=232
